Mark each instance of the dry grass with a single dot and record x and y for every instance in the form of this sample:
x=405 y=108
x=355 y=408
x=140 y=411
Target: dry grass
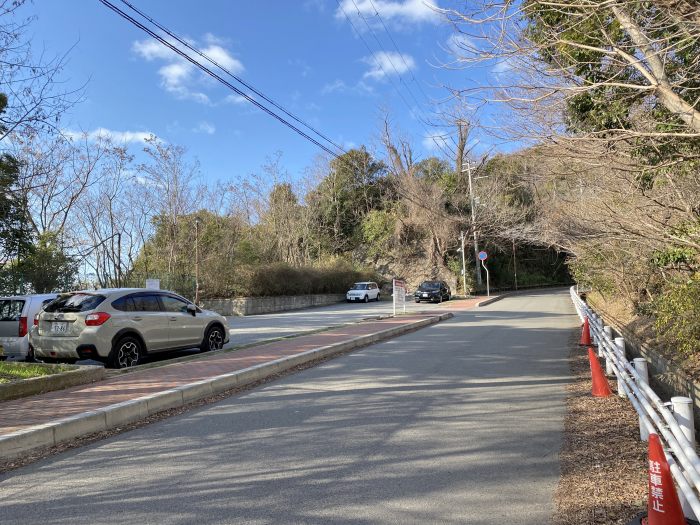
x=603 y=476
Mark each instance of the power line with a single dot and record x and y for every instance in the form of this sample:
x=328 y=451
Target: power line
x=217 y=77
x=232 y=75
x=415 y=80
x=386 y=74
x=408 y=69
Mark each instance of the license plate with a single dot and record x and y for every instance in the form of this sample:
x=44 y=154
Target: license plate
x=425 y=295
x=60 y=327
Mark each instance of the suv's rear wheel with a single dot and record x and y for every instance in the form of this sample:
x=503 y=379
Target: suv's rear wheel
x=127 y=352
x=214 y=340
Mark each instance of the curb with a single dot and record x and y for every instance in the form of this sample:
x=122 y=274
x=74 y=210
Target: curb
x=492 y=300
x=78 y=375
x=50 y=434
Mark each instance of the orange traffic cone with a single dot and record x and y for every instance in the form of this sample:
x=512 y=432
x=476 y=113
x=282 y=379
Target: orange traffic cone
x=663 y=505
x=585 y=333
x=600 y=388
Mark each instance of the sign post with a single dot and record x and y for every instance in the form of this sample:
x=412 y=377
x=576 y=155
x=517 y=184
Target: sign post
x=482 y=257
x=153 y=284
x=399 y=295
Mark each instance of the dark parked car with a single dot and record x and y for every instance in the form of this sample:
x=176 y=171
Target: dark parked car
x=433 y=291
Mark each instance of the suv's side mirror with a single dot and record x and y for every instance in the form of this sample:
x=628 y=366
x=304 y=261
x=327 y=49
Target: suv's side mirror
x=192 y=309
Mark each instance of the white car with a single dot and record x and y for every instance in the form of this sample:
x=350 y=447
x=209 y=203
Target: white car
x=16 y=318
x=366 y=292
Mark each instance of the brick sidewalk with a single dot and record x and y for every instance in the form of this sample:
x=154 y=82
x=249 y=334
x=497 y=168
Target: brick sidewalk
x=23 y=413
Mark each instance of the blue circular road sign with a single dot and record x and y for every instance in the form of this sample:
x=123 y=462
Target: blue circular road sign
x=483 y=256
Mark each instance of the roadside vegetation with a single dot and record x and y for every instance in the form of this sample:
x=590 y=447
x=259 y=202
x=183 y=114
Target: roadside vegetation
x=10 y=372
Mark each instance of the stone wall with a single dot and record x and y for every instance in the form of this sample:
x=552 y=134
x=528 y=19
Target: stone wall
x=267 y=305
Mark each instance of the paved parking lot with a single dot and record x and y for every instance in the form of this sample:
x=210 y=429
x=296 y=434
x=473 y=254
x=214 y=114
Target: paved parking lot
x=253 y=328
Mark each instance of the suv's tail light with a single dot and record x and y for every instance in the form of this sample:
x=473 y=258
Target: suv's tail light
x=96 y=319
x=22 y=326
x=36 y=320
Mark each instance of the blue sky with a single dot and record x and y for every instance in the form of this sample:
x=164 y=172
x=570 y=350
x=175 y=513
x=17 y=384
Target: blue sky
x=304 y=54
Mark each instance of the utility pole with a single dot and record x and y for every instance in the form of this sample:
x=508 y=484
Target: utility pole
x=464 y=265
x=476 y=243
x=196 y=260
x=515 y=267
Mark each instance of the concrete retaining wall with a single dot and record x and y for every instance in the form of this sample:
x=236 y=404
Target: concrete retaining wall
x=267 y=305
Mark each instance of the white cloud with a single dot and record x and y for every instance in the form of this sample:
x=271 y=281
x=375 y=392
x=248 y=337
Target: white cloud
x=460 y=44
x=339 y=86
x=182 y=78
x=388 y=63
x=117 y=137
x=222 y=57
x=332 y=87
x=235 y=99
x=400 y=14
x=435 y=141
x=205 y=127
x=153 y=50
x=503 y=67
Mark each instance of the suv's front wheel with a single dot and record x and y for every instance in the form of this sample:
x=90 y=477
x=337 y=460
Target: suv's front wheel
x=214 y=340
x=127 y=352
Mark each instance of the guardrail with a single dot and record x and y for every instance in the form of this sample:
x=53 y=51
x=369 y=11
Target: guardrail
x=672 y=422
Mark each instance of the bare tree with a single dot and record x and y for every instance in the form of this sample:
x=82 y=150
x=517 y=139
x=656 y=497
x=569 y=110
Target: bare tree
x=171 y=182
x=641 y=59
x=29 y=85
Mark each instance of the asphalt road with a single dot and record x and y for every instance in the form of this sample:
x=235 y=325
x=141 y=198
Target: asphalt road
x=456 y=423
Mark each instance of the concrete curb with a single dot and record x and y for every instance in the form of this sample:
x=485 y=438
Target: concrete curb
x=50 y=434
x=492 y=300
x=79 y=375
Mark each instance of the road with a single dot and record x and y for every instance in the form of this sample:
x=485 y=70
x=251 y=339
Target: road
x=457 y=423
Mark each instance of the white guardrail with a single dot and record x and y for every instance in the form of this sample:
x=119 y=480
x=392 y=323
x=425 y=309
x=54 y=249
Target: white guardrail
x=673 y=425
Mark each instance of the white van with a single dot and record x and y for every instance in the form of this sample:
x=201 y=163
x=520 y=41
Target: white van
x=365 y=291
x=16 y=319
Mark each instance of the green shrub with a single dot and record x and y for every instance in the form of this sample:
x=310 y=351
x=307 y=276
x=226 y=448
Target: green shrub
x=678 y=315
x=283 y=279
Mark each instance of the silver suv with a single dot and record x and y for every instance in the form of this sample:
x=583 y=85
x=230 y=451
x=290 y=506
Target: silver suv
x=16 y=314
x=121 y=326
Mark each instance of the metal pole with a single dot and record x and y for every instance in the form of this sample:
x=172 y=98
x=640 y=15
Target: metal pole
x=464 y=265
x=488 y=290
x=473 y=207
x=608 y=363
x=196 y=260
x=640 y=365
x=683 y=412
x=393 y=295
x=515 y=268
x=620 y=344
